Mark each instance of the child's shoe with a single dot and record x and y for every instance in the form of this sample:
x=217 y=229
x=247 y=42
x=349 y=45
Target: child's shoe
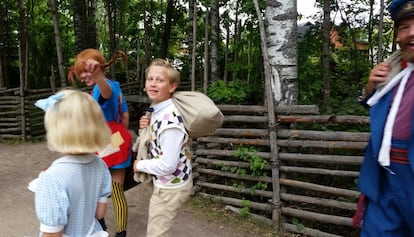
x=121 y=234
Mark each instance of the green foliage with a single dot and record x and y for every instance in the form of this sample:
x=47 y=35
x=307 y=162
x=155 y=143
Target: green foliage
x=298 y=225
x=244 y=212
x=249 y=154
x=348 y=73
x=231 y=92
x=256 y=168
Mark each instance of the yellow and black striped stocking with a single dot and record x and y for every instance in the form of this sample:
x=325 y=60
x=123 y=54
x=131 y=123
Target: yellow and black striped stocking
x=120 y=206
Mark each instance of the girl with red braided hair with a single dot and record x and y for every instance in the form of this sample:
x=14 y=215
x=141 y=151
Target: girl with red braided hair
x=89 y=68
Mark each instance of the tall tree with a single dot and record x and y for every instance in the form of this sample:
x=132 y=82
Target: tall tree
x=193 y=13
x=22 y=44
x=206 y=54
x=3 y=23
x=23 y=65
x=91 y=31
x=147 y=32
x=167 y=28
x=326 y=31
x=282 y=49
x=236 y=38
x=84 y=23
x=215 y=39
x=58 y=43
x=380 y=29
x=112 y=19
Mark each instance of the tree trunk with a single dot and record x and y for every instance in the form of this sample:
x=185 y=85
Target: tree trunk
x=282 y=49
x=167 y=28
x=84 y=23
x=22 y=60
x=206 y=53
x=91 y=31
x=58 y=43
x=111 y=12
x=78 y=23
x=326 y=30
x=191 y=13
x=147 y=34
x=194 y=48
x=215 y=40
x=226 y=54
x=380 y=28
x=236 y=39
x=3 y=23
x=275 y=159
x=22 y=43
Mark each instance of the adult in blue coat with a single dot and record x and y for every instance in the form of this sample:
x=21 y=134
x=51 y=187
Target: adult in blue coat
x=387 y=173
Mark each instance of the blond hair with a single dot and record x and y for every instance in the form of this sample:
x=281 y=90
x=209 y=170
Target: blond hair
x=173 y=74
x=76 y=125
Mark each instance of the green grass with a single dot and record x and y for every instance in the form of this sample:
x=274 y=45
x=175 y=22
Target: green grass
x=215 y=212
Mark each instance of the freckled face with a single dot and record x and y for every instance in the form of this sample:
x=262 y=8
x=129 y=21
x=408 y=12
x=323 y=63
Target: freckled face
x=87 y=78
x=91 y=69
x=405 y=37
x=157 y=84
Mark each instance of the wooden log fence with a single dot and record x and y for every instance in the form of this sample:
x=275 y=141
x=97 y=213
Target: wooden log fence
x=317 y=163
x=318 y=167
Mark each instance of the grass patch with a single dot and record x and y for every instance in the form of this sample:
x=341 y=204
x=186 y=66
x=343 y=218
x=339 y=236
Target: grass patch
x=214 y=212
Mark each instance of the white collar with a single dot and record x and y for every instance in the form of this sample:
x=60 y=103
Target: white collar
x=82 y=159
x=393 y=82
x=161 y=105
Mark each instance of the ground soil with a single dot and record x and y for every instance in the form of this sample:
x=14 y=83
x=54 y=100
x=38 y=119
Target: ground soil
x=20 y=163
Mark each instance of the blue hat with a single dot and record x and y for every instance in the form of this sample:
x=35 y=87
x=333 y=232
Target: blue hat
x=400 y=9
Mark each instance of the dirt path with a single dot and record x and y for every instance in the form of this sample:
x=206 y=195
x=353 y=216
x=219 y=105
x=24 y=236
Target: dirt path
x=21 y=163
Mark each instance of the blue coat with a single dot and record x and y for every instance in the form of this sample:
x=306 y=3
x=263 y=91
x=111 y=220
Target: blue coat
x=370 y=174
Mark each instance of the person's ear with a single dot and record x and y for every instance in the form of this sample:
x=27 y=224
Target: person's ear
x=173 y=86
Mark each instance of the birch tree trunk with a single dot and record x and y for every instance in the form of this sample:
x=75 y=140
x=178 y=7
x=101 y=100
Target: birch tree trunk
x=282 y=44
x=58 y=43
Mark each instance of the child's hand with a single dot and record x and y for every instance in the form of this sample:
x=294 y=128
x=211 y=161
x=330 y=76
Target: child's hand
x=144 y=121
x=135 y=166
x=92 y=66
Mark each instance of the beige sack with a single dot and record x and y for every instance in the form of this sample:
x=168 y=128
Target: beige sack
x=395 y=61
x=201 y=116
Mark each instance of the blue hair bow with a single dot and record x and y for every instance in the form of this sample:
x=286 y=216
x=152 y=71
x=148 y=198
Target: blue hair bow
x=49 y=102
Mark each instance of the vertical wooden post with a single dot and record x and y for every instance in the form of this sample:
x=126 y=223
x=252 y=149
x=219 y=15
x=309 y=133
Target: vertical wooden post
x=274 y=155
x=22 y=96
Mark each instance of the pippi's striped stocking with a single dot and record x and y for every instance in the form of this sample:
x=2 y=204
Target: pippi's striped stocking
x=120 y=206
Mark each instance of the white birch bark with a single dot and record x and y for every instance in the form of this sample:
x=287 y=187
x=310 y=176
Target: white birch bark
x=281 y=32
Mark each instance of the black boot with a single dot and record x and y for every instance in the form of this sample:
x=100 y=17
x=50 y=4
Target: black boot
x=102 y=222
x=120 y=234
